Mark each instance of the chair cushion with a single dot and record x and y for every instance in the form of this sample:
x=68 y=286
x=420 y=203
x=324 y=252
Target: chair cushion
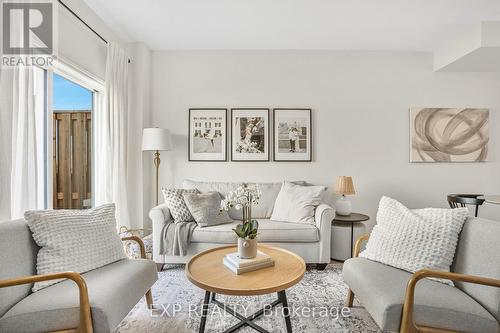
x=114 y=289
x=381 y=290
x=269 y=231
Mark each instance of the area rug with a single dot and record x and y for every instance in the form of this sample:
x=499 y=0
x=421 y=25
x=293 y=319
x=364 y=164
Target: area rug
x=317 y=304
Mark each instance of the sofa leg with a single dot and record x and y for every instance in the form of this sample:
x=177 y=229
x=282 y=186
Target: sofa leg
x=149 y=299
x=159 y=266
x=321 y=267
x=350 y=298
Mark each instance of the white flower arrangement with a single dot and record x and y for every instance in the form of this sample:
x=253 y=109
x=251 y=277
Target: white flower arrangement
x=243 y=196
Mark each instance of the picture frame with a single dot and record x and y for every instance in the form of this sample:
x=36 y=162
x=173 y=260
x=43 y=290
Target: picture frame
x=207 y=134
x=449 y=135
x=250 y=135
x=292 y=135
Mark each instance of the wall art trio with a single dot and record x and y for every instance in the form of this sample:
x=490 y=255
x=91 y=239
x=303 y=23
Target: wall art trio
x=250 y=133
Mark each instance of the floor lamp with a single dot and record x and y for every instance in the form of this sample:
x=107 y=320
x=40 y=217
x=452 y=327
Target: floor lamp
x=156 y=139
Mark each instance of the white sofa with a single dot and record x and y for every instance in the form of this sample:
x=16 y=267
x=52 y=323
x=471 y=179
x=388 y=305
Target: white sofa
x=311 y=242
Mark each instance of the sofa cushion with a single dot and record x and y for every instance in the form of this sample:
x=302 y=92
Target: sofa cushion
x=113 y=289
x=269 y=231
x=478 y=253
x=175 y=201
x=222 y=187
x=297 y=203
x=381 y=290
x=206 y=208
x=269 y=193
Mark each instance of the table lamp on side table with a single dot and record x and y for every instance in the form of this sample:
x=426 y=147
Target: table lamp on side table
x=156 y=139
x=344 y=186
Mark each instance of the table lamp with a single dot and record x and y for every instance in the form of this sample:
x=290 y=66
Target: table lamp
x=344 y=186
x=156 y=139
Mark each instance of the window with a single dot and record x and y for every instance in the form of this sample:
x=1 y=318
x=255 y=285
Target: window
x=72 y=144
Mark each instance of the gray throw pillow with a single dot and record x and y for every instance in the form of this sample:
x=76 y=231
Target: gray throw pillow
x=205 y=208
x=176 y=205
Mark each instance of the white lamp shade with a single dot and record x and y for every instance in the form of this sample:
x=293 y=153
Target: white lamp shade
x=156 y=139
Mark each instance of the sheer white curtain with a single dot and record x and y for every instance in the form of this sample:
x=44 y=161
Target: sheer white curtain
x=111 y=136
x=27 y=179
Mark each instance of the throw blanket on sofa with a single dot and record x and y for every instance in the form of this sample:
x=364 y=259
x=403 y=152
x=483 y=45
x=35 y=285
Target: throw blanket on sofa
x=175 y=238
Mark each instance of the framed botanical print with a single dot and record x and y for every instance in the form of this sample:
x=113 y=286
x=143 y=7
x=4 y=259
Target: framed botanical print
x=292 y=135
x=250 y=133
x=207 y=136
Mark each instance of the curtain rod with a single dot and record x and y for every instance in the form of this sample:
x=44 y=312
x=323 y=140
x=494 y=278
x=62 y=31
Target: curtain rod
x=85 y=23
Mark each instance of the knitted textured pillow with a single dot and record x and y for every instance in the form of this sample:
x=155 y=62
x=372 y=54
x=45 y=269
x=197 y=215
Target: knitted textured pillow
x=205 y=208
x=175 y=203
x=414 y=239
x=74 y=240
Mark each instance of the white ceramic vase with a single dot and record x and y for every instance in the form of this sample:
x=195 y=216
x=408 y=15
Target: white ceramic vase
x=247 y=248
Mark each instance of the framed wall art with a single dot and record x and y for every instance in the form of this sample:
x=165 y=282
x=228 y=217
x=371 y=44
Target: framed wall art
x=207 y=135
x=449 y=134
x=292 y=135
x=250 y=133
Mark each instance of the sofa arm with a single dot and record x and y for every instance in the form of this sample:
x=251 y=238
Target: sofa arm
x=159 y=215
x=323 y=217
x=85 y=325
x=407 y=324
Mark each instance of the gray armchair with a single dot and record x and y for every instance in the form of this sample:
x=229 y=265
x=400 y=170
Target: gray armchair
x=95 y=301
x=400 y=301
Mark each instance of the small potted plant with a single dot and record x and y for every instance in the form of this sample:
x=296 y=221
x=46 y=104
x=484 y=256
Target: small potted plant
x=243 y=198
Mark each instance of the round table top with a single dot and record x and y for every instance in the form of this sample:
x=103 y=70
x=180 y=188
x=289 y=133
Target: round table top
x=352 y=218
x=207 y=271
x=493 y=199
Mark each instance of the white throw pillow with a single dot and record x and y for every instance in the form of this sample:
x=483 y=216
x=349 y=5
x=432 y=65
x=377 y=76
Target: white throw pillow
x=297 y=203
x=413 y=239
x=74 y=240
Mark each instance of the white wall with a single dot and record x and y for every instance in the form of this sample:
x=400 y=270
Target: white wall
x=79 y=44
x=360 y=103
x=139 y=117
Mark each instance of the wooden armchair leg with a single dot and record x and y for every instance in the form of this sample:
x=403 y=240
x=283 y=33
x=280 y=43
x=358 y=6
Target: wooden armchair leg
x=149 y=299
x=350 y=298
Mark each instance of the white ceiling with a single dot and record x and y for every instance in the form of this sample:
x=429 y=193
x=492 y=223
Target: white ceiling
x=421 y=25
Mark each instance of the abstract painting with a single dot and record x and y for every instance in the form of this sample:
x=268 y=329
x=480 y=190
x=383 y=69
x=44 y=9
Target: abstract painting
x=449 y=134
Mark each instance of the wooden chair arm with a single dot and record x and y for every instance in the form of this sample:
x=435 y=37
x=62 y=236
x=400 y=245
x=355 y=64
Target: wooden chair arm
x=359 y=241
x=139 y=241
x=85 y=325
x=407 y=324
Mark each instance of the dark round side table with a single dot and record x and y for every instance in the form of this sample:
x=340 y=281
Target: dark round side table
x=351 y=218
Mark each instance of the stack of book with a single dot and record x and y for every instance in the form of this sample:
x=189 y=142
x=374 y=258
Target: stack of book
x=239 y=266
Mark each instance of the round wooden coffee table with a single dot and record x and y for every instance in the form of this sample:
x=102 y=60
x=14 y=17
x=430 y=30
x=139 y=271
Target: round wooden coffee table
x=207 y=271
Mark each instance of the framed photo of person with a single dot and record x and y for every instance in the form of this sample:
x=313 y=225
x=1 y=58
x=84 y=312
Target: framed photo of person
x=292 y=135
x=250 y=134
x=207 y=135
